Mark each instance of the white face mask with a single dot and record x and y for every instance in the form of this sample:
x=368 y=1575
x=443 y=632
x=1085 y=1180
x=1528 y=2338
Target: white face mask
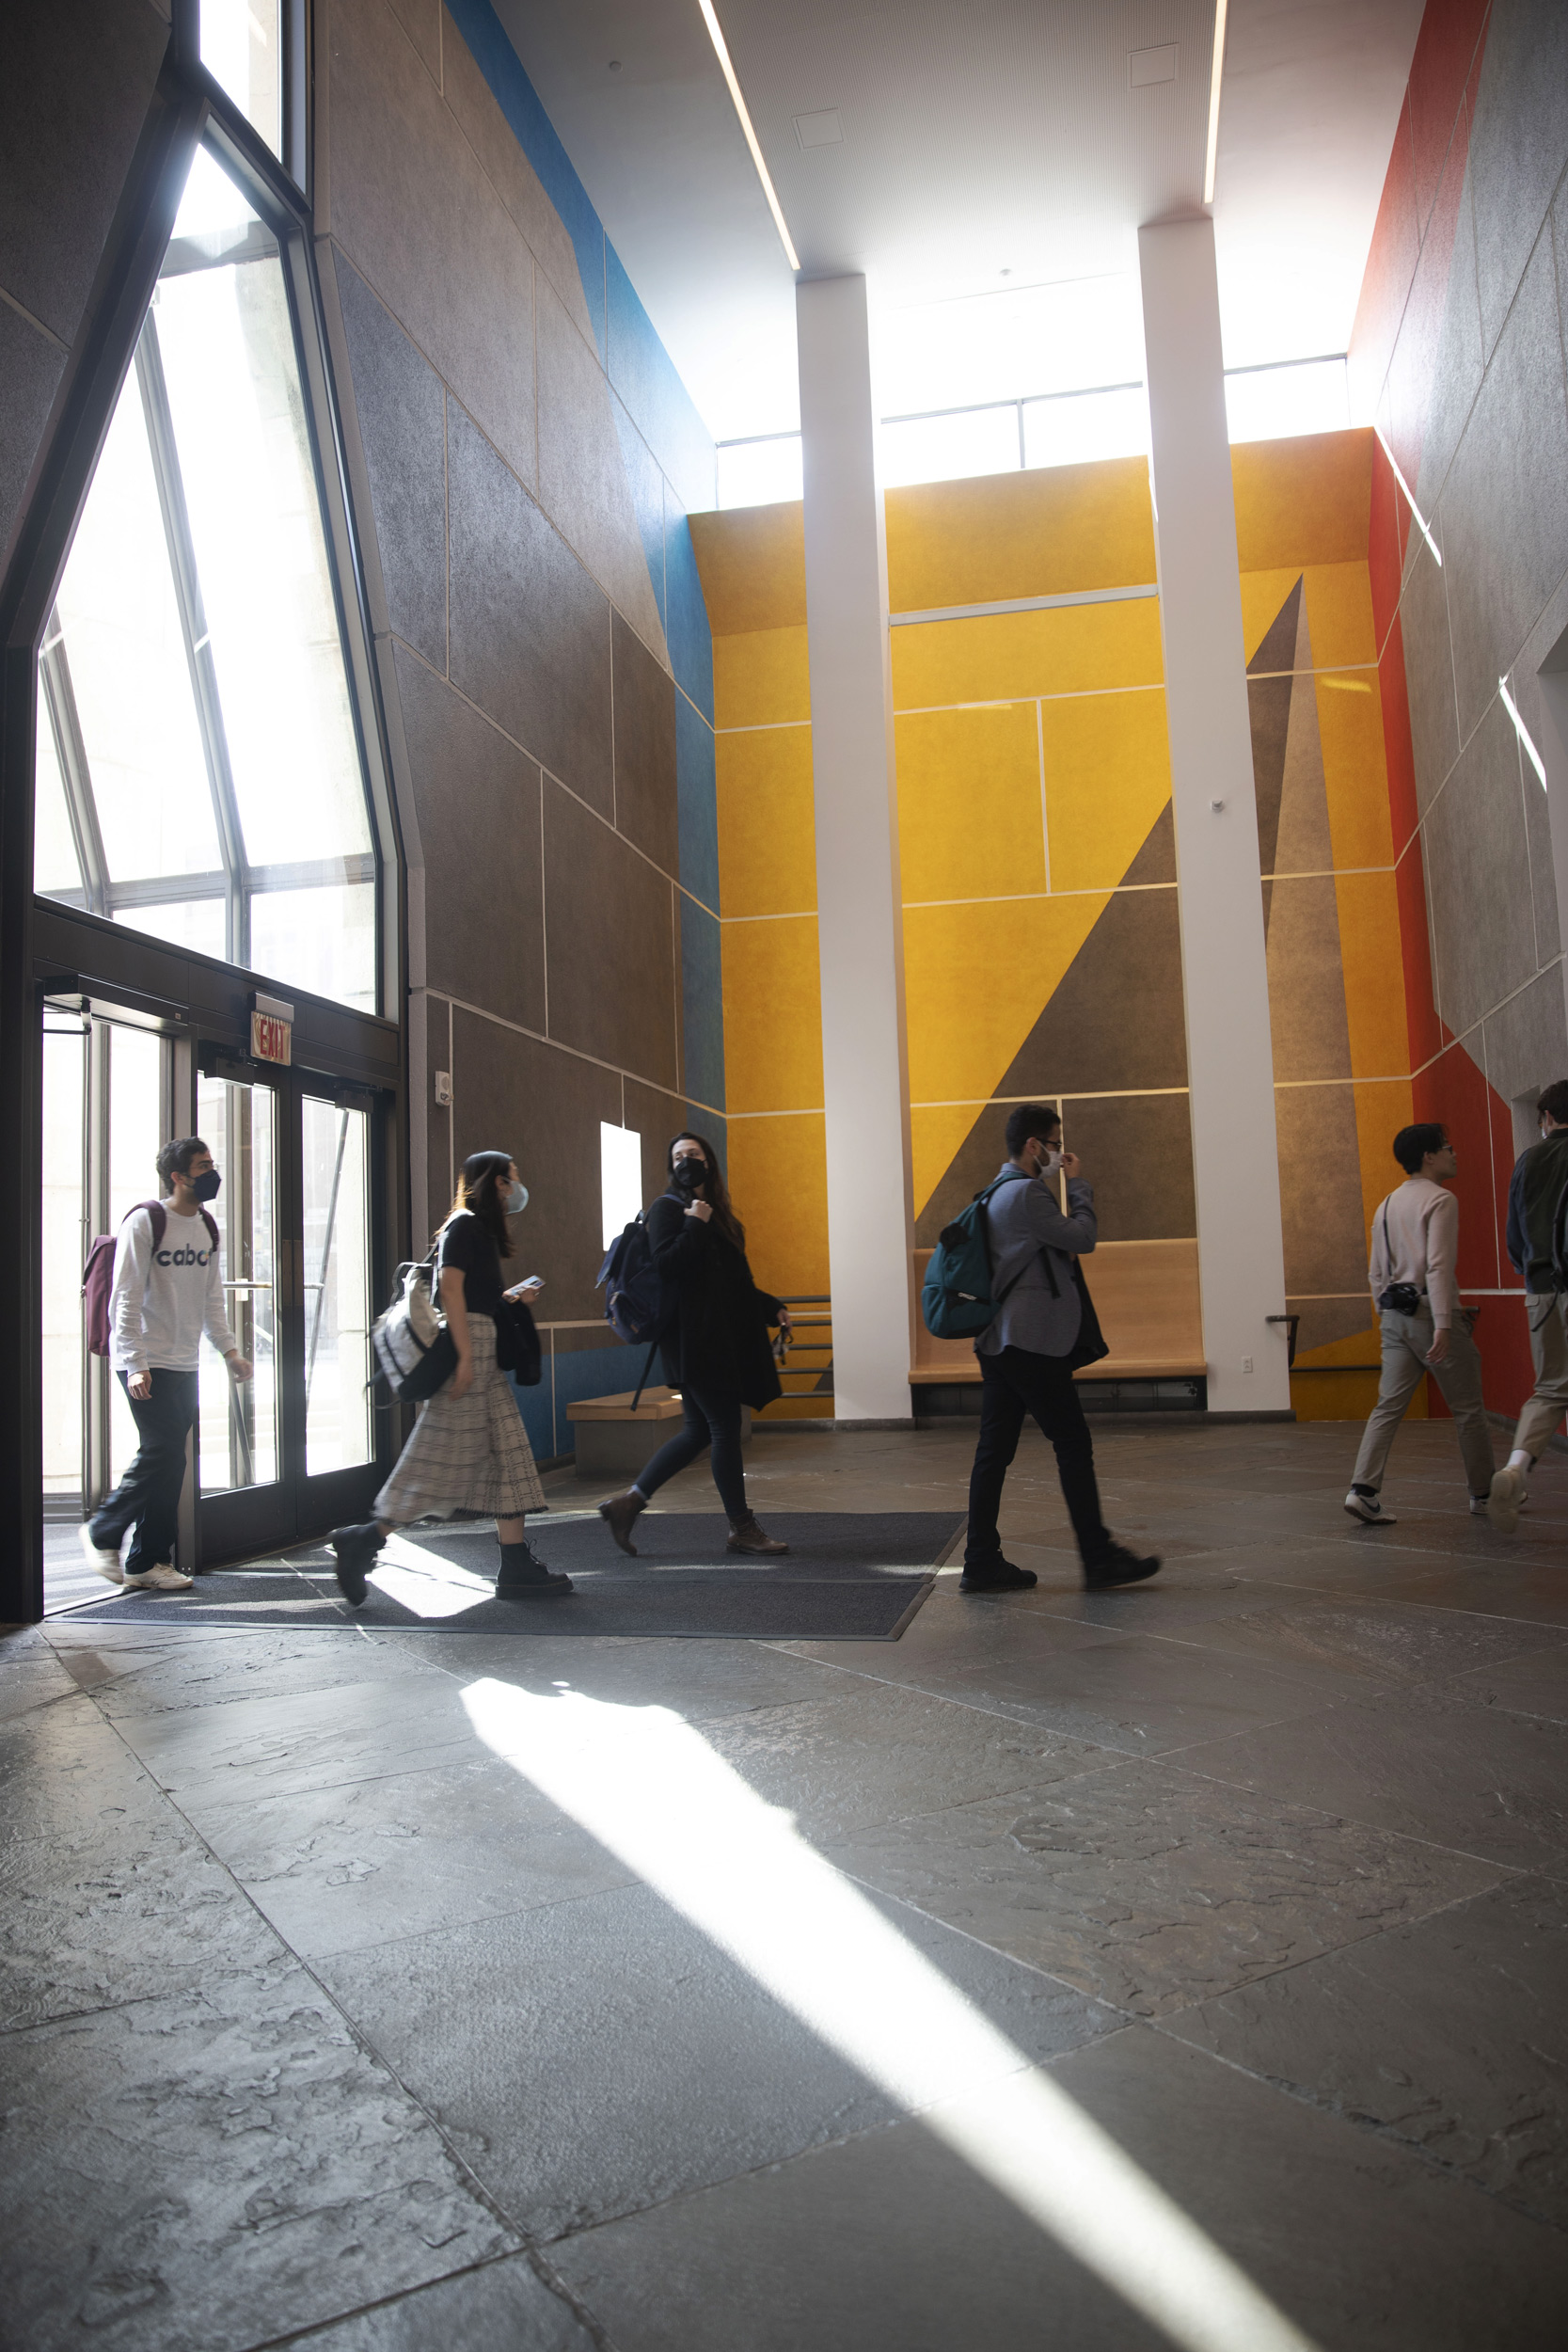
x=515 y=1200
x=1050 y=1160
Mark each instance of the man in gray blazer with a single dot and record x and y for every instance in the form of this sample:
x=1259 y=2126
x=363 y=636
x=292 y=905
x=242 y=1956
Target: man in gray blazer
x=1025 y=1357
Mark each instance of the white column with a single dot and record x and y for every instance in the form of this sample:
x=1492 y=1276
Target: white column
x=1224 y=968
x=859 y=919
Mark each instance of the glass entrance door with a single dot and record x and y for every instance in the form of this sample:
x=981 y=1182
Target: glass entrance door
x=295 y=1449
x=244 y=1497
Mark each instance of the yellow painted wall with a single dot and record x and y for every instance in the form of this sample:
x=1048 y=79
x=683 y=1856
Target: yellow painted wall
x=1032 y=765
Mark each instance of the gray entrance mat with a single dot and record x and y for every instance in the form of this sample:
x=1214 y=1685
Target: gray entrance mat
x=847 y=1577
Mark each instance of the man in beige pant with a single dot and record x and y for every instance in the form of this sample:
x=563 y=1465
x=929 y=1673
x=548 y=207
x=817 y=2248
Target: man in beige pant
x=1534 y=1193
x=1415 y=1284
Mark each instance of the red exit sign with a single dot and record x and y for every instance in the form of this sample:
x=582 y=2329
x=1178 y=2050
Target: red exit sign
x=271 y=1039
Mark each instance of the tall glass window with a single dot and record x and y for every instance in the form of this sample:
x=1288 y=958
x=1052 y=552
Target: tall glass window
x=242 y=48
x=199 y=774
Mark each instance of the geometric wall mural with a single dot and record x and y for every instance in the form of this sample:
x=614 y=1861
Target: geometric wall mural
x=1109 y=1047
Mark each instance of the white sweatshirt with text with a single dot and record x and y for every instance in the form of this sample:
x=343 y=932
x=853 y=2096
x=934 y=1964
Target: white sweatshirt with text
x=163 y=1299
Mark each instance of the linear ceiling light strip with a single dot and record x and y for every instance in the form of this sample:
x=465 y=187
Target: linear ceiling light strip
x=773 y=205
x=1215 y=76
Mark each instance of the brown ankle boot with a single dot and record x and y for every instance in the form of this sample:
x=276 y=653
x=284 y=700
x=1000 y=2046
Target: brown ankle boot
x=618 y=1514
x=745 y=1535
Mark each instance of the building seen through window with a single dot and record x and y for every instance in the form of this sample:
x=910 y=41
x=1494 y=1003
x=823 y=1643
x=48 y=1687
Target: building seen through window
x=198 y=771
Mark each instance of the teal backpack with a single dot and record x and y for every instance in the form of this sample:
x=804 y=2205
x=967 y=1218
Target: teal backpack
x=955 y=1299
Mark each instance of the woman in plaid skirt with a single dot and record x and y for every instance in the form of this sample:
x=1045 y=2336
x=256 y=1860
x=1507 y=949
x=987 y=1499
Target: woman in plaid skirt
x=470 y=1451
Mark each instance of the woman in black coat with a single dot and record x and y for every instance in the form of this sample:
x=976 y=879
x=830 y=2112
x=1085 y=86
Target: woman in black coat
x=717 y=1351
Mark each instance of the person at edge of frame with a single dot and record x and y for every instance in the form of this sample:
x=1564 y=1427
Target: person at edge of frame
x=161 y=1302
x=470 y=1451
x=716 y=1347
x=1414 y=1280
x=1536 y=1187
x=1025 y=1357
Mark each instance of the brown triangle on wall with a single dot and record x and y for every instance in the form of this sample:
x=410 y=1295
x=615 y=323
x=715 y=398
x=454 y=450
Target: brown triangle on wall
x=1113 y=1024
x=1269 y=708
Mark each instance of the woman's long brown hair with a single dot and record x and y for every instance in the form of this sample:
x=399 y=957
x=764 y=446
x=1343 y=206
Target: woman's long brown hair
x=478 y=1188
x=714 y=1185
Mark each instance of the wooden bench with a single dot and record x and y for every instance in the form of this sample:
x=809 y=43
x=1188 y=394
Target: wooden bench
x=612 y=1441
x=1145 y=1294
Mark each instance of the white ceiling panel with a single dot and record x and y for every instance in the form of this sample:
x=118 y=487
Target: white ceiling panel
x=986 y=148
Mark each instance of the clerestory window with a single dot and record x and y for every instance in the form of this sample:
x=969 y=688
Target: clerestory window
x=198 y=771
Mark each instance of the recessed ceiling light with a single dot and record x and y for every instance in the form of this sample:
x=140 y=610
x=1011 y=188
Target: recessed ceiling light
x=1216 y=75
x=720 y=50
x=616 y=65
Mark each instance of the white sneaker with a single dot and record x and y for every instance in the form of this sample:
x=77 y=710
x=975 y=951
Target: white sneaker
x=106 y=1563
x=1503 y=1504
x=163 y=1579
x=1368 y=1510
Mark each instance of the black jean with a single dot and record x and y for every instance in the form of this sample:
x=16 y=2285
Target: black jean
x=1017 y=1382
x=707 y=1421
x=148 y=1497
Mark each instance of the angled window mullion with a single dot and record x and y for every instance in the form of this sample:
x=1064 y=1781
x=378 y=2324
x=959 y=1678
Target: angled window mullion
x=71 y=750
x=193 y=626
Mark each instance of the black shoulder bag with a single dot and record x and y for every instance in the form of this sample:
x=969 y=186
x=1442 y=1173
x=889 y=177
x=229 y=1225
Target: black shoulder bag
x=1400 y=1298
x=1091 y=1344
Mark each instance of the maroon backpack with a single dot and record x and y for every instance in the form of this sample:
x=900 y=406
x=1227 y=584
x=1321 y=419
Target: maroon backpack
x=98 y=1275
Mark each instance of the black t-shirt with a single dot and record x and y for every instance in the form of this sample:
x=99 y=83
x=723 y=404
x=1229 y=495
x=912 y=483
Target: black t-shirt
x=468 y=1246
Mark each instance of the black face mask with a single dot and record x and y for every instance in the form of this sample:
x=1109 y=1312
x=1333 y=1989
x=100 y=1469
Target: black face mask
x=688 y=1175
x=206 y=1187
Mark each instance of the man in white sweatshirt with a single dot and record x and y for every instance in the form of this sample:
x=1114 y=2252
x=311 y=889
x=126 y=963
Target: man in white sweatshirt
x=167 y=1290
x=1415 y=1284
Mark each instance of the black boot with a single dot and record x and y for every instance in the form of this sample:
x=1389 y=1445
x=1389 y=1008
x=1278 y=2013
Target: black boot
x=620 y=1515
x=355 y=1548
x=525 y=1577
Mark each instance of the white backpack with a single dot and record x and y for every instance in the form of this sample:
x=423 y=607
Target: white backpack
x=415 y=1352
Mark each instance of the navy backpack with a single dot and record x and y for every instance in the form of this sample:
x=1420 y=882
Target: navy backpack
x=634 y=1302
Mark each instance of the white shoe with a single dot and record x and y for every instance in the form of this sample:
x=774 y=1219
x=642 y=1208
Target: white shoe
x=106 y=1563
x=1503 y=1504
x=163 y=1579
x=1368 y=1510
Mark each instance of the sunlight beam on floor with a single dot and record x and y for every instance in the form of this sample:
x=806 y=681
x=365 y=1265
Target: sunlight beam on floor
x=422 y=1582
x=649 y=1788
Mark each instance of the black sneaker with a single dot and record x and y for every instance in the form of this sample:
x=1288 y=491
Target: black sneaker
x=355 y=1548
x=995 y=1575
x=1118 y=1566
x=525 y=1577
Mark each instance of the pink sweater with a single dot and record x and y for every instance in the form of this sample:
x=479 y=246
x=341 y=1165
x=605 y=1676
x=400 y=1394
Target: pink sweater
x=1422 y=1245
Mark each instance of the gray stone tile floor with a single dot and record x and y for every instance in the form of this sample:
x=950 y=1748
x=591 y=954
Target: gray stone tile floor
x=431 y=1992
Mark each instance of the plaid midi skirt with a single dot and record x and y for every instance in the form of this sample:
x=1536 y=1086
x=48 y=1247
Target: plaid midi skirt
x=467 y=1452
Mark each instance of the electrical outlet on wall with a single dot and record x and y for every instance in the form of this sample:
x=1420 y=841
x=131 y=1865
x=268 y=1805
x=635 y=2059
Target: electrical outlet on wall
x=1247 y=1363
x=443 y=1089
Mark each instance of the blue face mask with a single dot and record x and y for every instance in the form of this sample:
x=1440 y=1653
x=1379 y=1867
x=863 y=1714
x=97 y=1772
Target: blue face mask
x=206 y=1187
x=515 y=1200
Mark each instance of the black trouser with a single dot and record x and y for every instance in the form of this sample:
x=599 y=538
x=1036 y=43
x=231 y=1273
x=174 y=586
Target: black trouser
x=148 y=1497
x=711 y=1420
x=1017 y=1382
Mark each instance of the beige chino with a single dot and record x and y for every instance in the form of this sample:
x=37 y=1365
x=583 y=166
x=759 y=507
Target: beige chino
x=1406 y=1340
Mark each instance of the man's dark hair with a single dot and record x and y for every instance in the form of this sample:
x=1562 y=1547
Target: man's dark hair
x=1030 y=1119
x=1553 y=1101
x=175 y=1159
x=1412 y=1144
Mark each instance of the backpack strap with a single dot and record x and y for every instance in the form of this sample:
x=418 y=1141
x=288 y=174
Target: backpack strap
x=159 y=1215
x=643 y=1382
